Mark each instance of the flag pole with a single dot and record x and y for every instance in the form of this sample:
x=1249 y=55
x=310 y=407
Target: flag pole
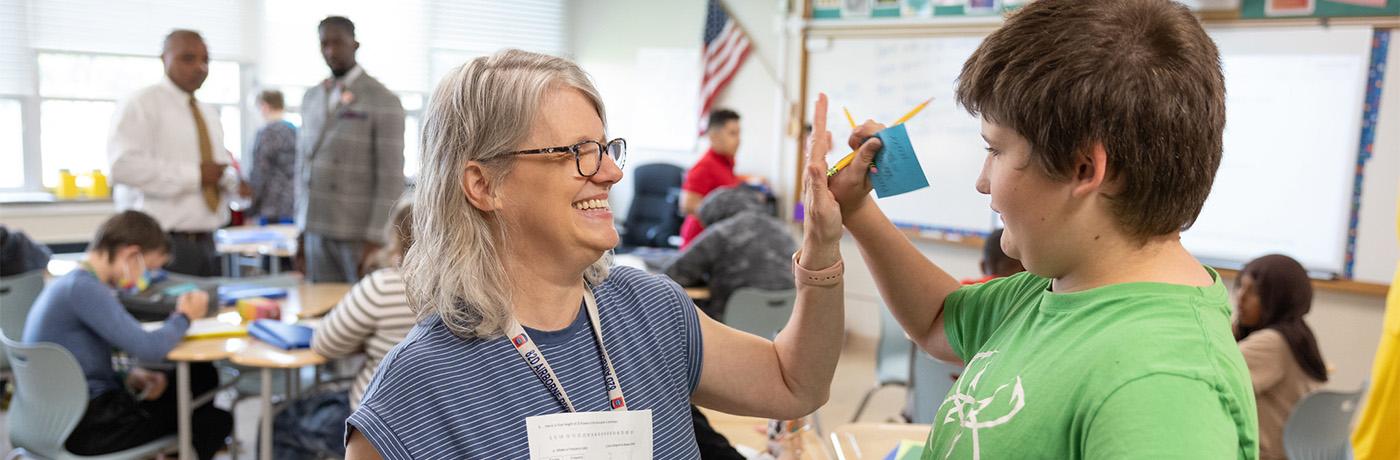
x=767 y=68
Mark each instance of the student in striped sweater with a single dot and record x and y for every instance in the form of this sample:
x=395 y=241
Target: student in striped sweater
x=373 y=318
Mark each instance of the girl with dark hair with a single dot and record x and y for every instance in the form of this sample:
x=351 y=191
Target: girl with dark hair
x=1272 y=293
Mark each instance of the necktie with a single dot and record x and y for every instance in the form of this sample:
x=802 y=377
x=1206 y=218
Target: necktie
x=206 y=154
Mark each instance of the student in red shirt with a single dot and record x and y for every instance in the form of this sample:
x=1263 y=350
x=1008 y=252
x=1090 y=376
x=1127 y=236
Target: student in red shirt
x=995 y=263
x=714 y=170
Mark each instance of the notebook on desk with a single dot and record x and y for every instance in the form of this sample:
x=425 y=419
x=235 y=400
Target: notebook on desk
x=208 y=328
x=204 y=328
x=229 y=294
x=281 y=335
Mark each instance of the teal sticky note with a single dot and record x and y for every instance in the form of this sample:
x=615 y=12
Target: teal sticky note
x=897 y=167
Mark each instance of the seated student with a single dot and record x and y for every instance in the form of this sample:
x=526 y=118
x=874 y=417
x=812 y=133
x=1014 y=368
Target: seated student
x=19 y=254
x=522 y=320
x=1103 y=141
x=742 y=246
x=373 y=318
x=995 y=263
x=1272 y=293
x=80 y=312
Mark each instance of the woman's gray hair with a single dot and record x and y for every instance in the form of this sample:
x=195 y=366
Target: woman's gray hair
x=479 y=112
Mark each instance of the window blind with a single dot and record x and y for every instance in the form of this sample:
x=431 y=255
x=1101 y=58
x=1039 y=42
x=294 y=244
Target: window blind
x=138 y=27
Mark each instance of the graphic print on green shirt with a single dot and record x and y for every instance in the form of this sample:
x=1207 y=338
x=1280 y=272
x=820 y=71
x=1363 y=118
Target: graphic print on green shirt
x=1133 y=370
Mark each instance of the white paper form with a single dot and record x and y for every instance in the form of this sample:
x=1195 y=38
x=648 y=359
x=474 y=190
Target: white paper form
x=613 y=435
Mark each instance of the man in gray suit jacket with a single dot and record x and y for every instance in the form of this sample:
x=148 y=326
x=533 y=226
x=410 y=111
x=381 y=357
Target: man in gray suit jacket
x=349 y=161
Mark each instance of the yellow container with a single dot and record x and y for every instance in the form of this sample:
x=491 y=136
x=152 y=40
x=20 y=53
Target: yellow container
x=67 y=185
x=99 y=188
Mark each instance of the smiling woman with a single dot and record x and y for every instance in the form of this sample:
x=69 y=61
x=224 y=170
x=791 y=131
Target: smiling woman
x=526 y=334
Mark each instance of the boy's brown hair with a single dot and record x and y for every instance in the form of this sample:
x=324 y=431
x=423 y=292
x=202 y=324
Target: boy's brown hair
x=130 y=228
x=273 y=99
x=1141 y=77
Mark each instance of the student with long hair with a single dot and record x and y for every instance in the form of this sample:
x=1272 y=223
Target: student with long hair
x=1272 y=293
x=373 y=318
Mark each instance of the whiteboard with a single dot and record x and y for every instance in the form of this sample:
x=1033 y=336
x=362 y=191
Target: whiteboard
x=1294 y=104
x=903 y=73
x=1293 y=124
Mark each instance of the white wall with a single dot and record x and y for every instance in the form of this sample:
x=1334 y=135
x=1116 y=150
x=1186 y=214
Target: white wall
x=606 y=37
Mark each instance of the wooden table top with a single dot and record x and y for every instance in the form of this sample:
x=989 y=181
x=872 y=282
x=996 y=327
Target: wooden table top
x=752 y=432
x=308 y=300
x=258 y=353
x=202 y=350
x=875 y=440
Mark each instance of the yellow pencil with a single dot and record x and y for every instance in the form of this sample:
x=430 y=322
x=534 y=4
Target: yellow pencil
x=848 y=117
x=911 y=113
x=852 y=156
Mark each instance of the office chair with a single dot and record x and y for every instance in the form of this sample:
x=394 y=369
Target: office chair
x=51 y=396
x=931 y=380
x=1319 y=427
x=892 y=358
x=17 y=295
x=759 y=312
x=654 y=215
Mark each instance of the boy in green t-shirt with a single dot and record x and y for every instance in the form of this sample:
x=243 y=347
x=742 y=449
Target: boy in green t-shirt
x=1103 y=121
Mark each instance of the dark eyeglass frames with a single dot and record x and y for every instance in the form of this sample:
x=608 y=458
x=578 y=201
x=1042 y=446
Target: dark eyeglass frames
x=587 y=154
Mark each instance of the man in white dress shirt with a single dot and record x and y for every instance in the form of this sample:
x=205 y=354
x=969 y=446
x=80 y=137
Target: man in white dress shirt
x=168 y=160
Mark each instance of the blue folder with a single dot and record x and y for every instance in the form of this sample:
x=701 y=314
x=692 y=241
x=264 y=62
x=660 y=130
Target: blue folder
x=281 y=335
x=230 y=293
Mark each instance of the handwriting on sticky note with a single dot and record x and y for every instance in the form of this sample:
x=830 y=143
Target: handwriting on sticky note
x=897 y=166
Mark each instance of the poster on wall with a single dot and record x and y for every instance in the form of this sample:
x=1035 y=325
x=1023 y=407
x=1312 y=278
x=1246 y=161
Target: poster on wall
x=1258 y=9
x=855 y=9
x=864 y=9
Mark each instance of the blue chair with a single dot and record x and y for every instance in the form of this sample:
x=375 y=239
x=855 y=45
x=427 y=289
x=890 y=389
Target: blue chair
x=892 y=358
x=759 y=312
x=1319 y=427
x=17 y=295
x=51 y=396
x=932 y=380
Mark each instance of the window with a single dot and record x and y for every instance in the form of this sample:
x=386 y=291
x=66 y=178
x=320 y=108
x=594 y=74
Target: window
x=73 y=137
x=64 y=65
x=233 y=129
x=11 y=144
x=78 y=96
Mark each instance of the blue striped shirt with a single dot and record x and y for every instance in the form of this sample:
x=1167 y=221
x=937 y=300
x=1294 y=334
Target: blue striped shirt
x=437 y=395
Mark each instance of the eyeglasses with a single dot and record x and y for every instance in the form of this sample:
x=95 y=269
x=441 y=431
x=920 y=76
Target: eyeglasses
x=588 y=156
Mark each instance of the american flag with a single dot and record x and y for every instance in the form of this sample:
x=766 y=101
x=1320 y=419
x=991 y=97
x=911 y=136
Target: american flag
x=726 y=46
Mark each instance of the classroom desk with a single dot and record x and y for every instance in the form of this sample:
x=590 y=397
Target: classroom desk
x=256 y=241
x=857 y=441
x=629 y=260
x=257 y=353
x=199 y=351
x=304 y=301
x=751 y=432
x=311 y=300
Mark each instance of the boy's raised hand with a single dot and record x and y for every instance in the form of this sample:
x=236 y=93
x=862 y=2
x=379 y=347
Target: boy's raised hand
x=822 y=216
x=851 y=185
